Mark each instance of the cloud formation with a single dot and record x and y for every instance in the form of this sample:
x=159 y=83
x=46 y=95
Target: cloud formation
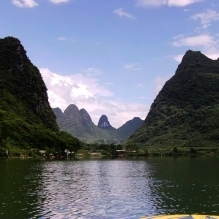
x=33 y=3
x=206 y=18
x=203 y=40
x=121 y=13
x=25 y=3
x=86 y=92
x=205 y=43
x=59 y=1
x=158 y=3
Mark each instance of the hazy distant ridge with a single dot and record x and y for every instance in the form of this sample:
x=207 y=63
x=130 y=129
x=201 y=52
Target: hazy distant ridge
x=79 y=124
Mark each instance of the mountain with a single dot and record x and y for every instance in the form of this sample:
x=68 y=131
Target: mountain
x=185 y=112
x=58 y=112
x=104 y=123
x=26 y=118
x=126 y=130
x=78 y=123
x=24 y=82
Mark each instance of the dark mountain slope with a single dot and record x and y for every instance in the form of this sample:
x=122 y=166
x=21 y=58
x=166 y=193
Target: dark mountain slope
x=26 y=118
x=23 y=80
x=185 y=112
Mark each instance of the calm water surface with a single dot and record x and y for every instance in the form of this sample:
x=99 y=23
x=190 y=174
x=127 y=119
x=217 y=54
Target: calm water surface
x=108 y=188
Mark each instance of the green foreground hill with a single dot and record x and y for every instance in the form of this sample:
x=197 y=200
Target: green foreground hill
x=185 y=113
x=26 y=118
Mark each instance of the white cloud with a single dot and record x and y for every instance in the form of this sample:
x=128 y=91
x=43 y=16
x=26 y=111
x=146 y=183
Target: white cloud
x=88 y=93
x=132 y=67
x=25 y=3
x=59 y=1
x=200 y=40
x=33 y=3
x=181 y=3
x=158 y=3
x=69 y=88
x=121 y=13
x=206 y=18
x=213 y=55
x=207 y=44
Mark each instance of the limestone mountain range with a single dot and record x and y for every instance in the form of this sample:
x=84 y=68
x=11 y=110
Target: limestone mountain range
x=79 y=124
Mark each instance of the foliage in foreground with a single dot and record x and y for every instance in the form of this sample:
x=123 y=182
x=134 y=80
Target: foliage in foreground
x=27 y=122
x=19 y=133
x=186 y=111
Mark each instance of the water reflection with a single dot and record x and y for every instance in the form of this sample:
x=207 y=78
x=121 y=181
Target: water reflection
x=18 y=186
x=188 y=185
x=96 y=189
x=108 y=188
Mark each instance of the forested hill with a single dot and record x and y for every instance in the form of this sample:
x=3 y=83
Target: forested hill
x=185 y=113
x=23 y=80
x=78 y=123
x=26 y=118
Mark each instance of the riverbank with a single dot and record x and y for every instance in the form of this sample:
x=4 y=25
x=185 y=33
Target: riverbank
x=82 y=153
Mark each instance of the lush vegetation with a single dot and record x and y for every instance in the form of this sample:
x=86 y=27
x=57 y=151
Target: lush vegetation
x=78 y=123
x=107 y=150
x=185 y=114
x=27 y=122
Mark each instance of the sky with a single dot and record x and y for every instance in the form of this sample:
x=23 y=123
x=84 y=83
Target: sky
x=110 y=57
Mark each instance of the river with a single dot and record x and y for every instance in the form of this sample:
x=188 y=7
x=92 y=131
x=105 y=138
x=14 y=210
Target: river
x=117 y=188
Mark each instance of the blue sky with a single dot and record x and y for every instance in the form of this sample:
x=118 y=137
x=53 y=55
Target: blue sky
x=110 y=56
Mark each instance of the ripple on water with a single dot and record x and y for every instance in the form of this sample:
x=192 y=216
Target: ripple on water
x=107 y=189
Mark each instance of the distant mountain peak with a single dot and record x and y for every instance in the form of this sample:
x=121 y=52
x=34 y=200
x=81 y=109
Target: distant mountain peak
x=71 y=107
x=85 y=116
x=58 y=112
x=79 y=123
x=104 y=123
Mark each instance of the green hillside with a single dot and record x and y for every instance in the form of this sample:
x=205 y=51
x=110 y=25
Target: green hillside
x=26 y=118
x=185 y=113
x=78 y=123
